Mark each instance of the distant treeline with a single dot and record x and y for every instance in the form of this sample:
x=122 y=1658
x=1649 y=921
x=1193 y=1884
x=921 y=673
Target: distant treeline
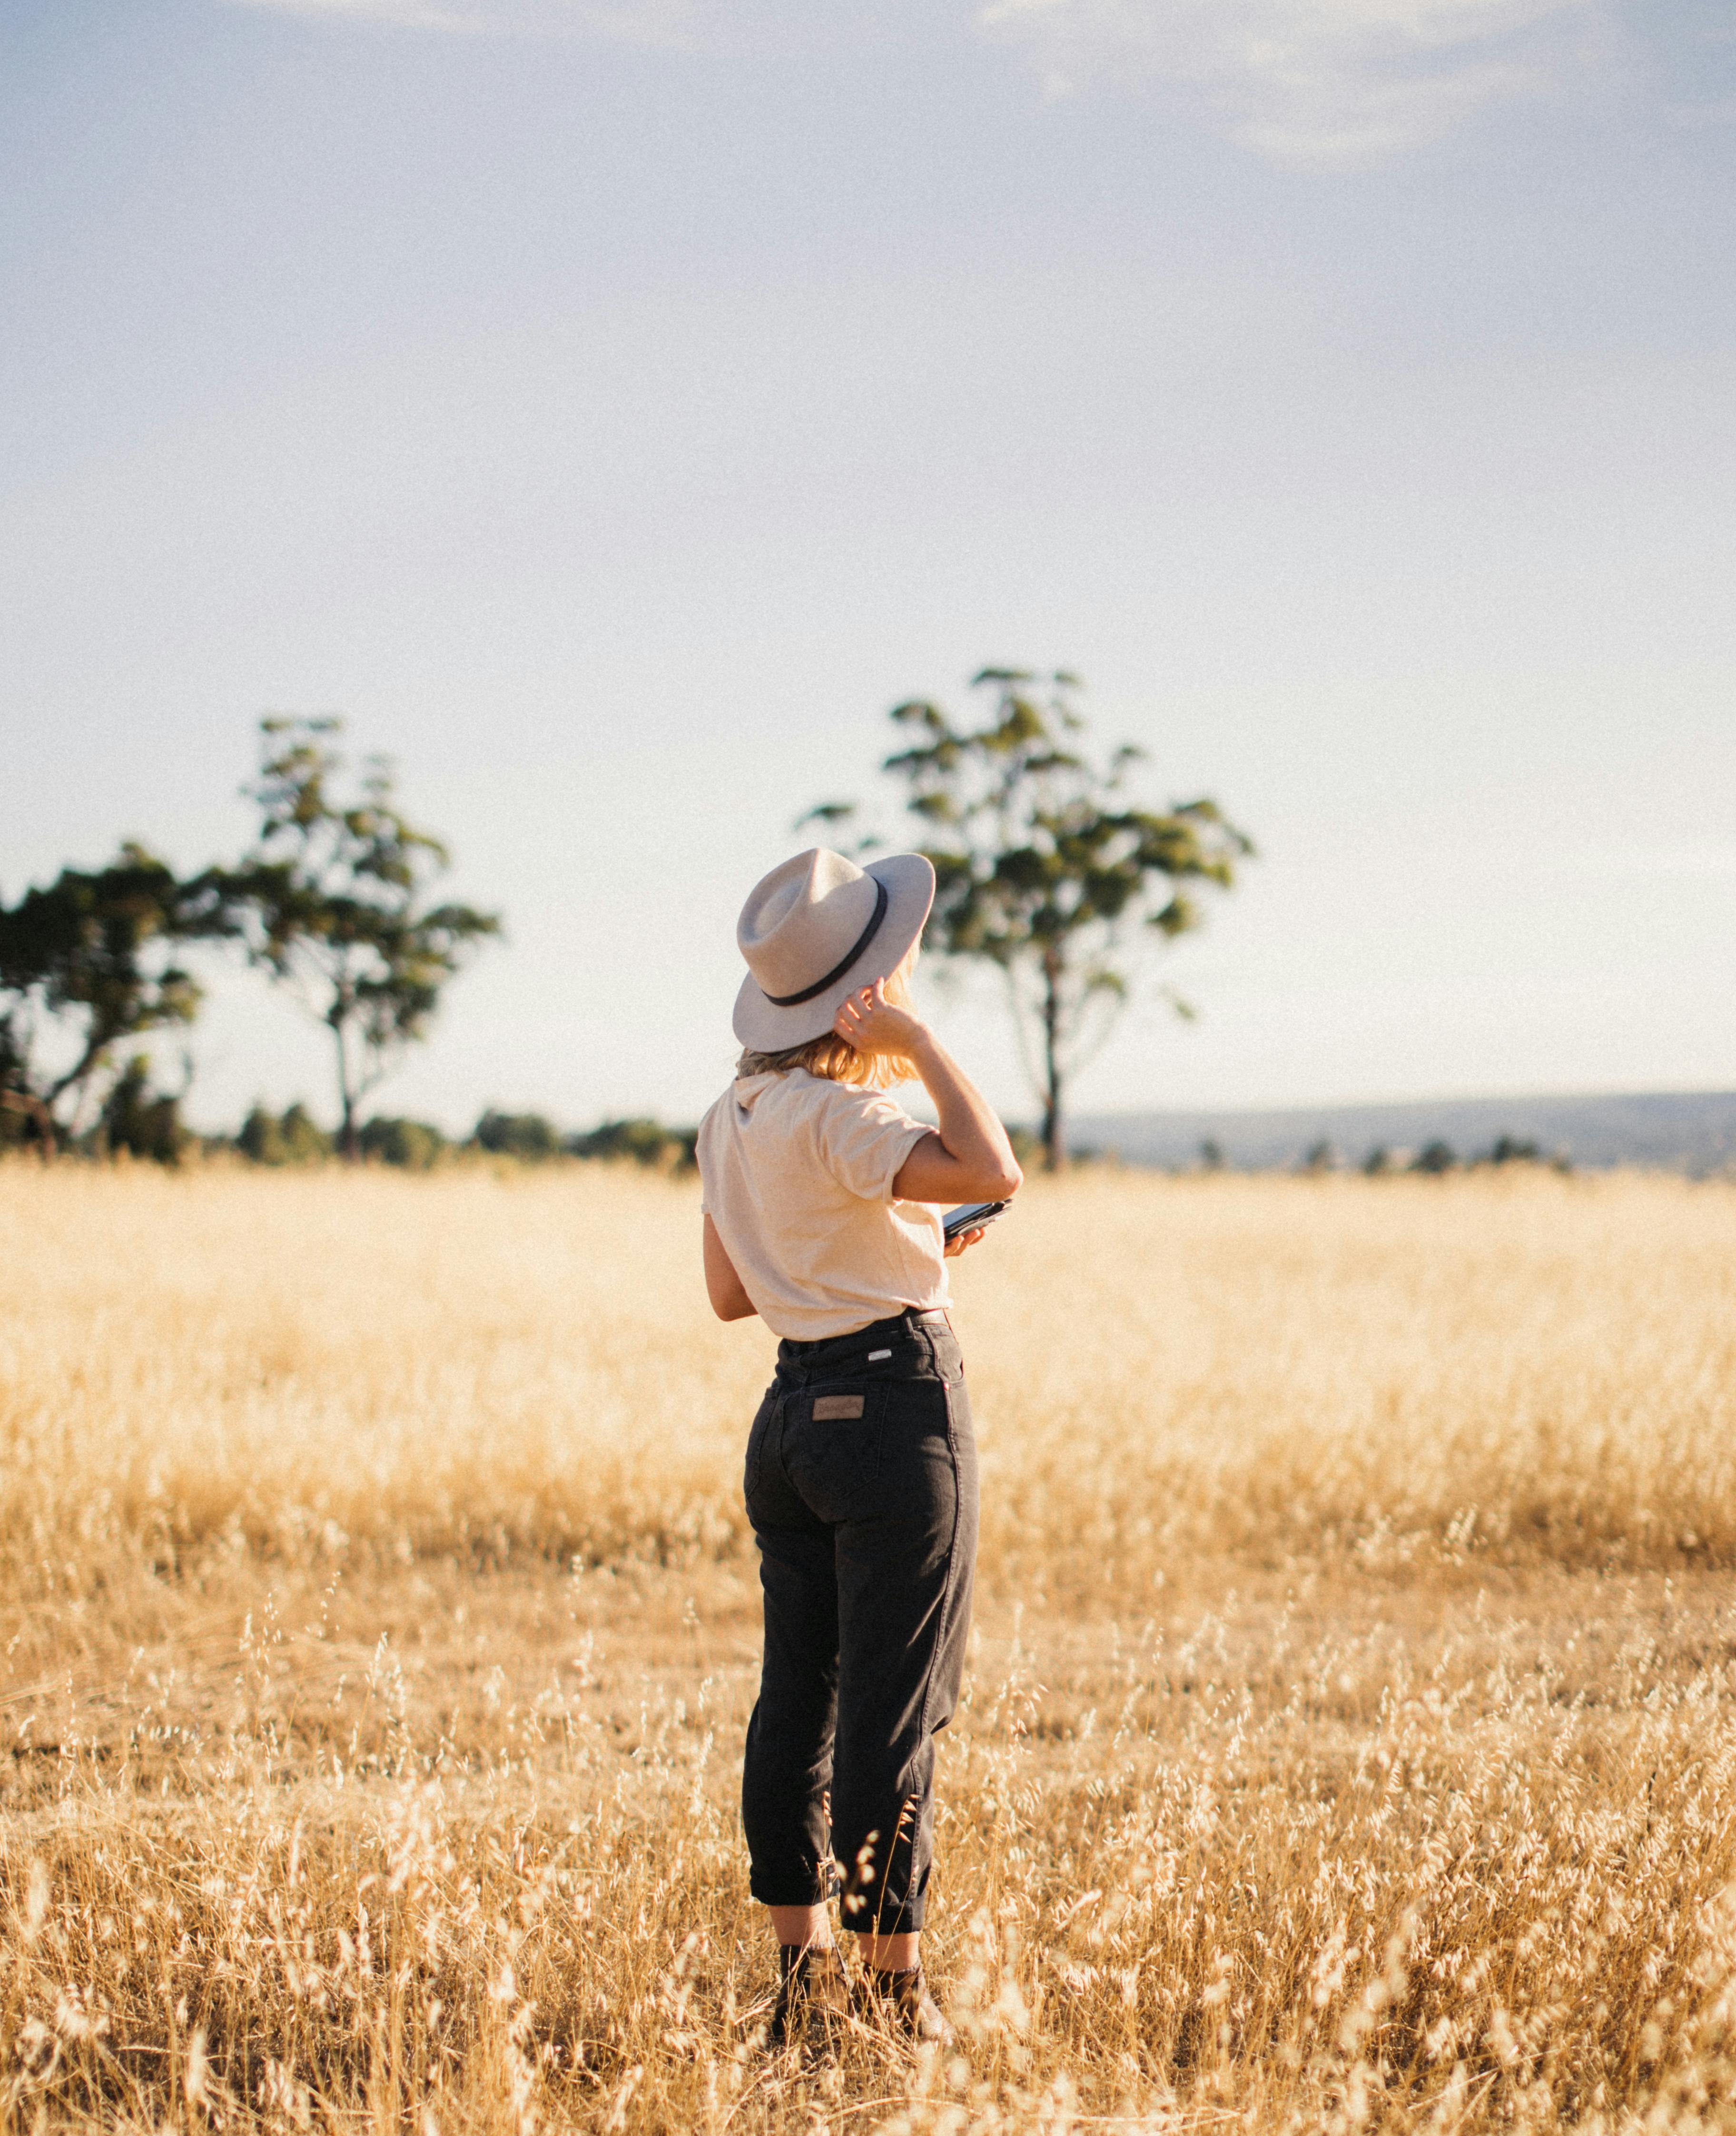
x=294 y=1137
x=1383 y=1160
x=140 y=1121
x=1691 y=1131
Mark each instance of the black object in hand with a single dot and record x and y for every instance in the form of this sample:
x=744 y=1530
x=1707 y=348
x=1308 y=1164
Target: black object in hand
x=971 y=1217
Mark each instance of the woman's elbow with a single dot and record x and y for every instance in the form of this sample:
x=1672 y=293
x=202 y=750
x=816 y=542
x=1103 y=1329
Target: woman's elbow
x=995 y=1182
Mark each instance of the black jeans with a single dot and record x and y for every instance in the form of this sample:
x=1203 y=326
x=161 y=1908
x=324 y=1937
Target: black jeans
x=862 y=1487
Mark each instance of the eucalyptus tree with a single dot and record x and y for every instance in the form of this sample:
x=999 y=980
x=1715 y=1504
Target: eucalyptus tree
x=335 y=905
x=1046 y=866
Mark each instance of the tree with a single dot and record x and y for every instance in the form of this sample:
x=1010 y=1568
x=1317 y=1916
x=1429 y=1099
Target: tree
x=87 y=963
x=1045 y=869
x=334 y=898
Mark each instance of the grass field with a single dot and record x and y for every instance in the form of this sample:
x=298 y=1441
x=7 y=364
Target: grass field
x=1347 y=1743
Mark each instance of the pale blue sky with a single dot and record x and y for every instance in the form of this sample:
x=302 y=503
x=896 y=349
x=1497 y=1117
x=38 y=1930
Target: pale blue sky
x=611 y=410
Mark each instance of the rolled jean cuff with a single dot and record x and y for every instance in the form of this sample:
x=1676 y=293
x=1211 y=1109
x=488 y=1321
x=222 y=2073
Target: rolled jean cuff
x=895 y=1920
x=765 y=1893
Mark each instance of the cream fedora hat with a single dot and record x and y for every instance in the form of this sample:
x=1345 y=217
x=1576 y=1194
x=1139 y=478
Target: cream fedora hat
x=816 y=929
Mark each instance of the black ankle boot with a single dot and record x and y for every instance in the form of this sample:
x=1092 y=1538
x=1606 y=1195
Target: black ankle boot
x=811 y=1982
x=904 y=1998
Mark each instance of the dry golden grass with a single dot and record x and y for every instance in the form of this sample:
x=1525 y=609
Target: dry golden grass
x=1348 y=1741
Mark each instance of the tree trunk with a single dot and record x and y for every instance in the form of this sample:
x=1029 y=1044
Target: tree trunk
x=76 y=1077
x=1054 y=1134
x=349 y=1142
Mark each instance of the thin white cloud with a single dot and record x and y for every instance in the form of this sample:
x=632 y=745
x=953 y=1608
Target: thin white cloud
x=1329 y=83
x=666 y=23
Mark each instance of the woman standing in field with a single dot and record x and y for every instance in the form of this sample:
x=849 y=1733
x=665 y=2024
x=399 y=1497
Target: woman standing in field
x=862 y=1470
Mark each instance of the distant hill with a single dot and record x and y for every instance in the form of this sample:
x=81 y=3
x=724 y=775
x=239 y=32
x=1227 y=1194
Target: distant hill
x=1693 y=1131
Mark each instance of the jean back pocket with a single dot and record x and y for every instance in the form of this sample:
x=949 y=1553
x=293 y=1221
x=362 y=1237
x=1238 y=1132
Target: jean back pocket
x=833 y=1452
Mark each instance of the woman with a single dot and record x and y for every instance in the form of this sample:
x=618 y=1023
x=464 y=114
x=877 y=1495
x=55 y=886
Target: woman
x=820 y=1216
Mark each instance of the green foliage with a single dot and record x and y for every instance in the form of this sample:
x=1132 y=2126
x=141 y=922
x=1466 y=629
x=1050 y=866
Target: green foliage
x=94 y=959
x=526 y=1136
x=293 y=1137
x=334 y=896
x=1046 y=868
x=413 y=1145
x=1434 y=1158
x=643 y=1142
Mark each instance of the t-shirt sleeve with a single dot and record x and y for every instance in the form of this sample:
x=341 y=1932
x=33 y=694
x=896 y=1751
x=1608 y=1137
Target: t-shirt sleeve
x=864 y=1138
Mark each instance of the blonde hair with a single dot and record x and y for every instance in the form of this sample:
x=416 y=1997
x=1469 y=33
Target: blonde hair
x=835 y=1058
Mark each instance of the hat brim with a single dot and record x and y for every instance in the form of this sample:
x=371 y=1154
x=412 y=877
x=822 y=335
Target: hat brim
x=909 y=884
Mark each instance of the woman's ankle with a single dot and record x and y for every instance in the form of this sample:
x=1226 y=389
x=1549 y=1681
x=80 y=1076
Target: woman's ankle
x=802 y=1928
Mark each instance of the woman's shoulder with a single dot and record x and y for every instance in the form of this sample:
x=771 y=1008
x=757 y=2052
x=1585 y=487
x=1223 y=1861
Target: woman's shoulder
x=822 y=1095
x=795 y=1102
x=848 y=1124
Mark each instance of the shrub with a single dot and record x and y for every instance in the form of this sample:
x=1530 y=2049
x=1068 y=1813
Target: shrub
x=648 y=1143
x=293 y=1137
x=139 y=1118
x=527 y=1136
x=416 y=1145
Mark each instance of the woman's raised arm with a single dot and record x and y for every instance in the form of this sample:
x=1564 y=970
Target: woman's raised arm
x=967 y=1158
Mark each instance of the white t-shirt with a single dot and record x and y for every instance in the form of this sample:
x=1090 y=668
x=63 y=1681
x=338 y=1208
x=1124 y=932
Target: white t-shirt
x=798 y=1174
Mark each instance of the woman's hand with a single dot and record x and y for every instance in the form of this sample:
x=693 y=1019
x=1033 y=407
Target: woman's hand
x=954 y=1247
x=867 y=1020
